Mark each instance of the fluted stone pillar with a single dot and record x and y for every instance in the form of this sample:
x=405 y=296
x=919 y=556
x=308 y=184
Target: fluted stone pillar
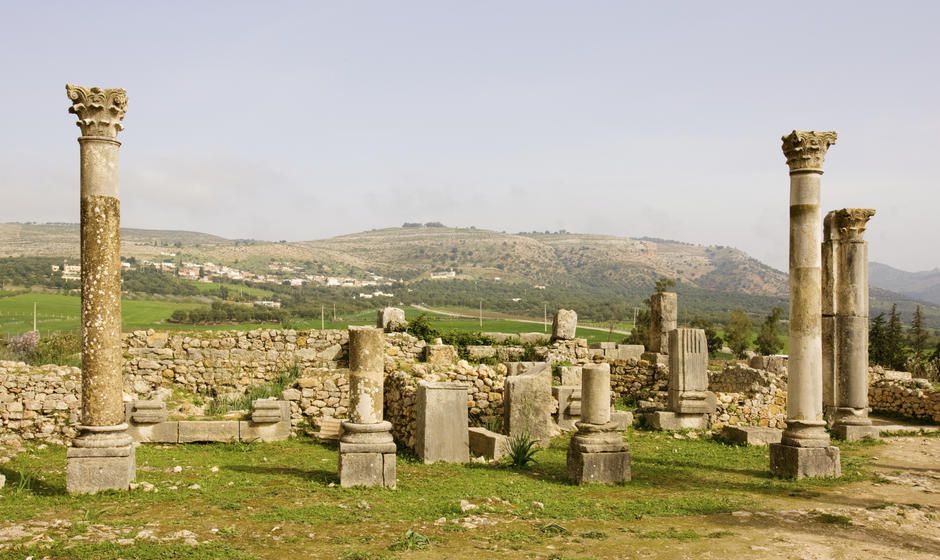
x=101 y=457
x=690 y=401
x=366 y=449
x=597 y=452
x=805 y=449
x=664 y=314
x=846 y=373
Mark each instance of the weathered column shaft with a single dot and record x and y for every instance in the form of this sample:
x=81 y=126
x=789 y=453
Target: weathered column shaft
x=595 y=394
x=101 y=283
x=664 y=309
x=830 y=259
x=852 y=317
x=366 y=374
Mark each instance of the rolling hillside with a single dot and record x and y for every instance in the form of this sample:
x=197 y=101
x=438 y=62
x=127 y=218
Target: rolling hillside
x=916 y=285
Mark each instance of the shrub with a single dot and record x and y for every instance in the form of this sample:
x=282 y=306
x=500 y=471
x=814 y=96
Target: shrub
x=522 y=450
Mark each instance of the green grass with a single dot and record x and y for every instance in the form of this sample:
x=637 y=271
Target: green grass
x=58 y=312
x=212 y=288
x=289 y=489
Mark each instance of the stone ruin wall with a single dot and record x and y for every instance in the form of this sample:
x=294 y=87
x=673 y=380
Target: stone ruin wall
x=44 y=402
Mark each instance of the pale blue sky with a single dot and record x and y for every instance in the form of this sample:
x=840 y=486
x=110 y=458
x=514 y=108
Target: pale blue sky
x=302 y=120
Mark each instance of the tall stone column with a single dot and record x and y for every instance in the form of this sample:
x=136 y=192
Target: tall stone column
x=597 y=452
x=849 y=376
x=805 y=449
x=664 y=314
x=366 y=449
x=101 y=457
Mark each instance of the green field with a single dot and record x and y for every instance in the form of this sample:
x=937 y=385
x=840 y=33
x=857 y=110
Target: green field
x=57 y=312
x=212 y=288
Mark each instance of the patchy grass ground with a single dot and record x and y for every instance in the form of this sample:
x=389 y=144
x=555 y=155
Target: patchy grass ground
x=243 y=501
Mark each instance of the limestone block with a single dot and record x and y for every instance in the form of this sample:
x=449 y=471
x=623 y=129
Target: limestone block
x=477 y=352
x=570 y=375
x=688 y=372
x=441 y=428
x=849 y=432
x=164 y=432
x=528 y=405
x=598 y=468
x=804 y=462
x=668 y=421
x=622 y=418
x=440 y=354
x=569 y=405
x=535 y=338
x=517 y=368
x=269 y=411
x=655 y=358
x=664 y=307
x=484 y=443
x=250 y=431
x=367 y=469
x=564 y=325
x=208 y=431
x=91 y=470
x=751 y=435
x=331 y=429
x=630 y=351
x=391 y=319
x=604 y=345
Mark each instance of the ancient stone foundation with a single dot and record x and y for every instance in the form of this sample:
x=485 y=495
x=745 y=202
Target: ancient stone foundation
x=597 y=452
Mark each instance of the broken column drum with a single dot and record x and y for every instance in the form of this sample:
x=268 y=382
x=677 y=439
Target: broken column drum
x=690 y=401
x=845 y=323
x=366 y=449
x=664 y=313
x=101 y=457
x=805 y=449
x=597 y=452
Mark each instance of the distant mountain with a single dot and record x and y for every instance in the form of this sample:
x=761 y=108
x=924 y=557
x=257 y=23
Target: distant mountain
x=712 y=280
x=924 y=286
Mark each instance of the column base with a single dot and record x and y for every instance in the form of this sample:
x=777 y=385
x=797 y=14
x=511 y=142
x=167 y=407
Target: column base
x=669 y=421
x=855 y=432
x=95 y=469
x=598 y=454
x=367 y=455
x=804 y=462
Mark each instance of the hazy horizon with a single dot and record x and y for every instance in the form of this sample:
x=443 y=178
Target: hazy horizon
x=301 y=121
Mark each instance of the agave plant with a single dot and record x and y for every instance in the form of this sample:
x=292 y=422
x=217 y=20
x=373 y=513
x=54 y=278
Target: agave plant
x=522 y=450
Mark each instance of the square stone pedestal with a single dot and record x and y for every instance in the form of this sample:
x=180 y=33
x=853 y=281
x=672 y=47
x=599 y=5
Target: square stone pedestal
x=94 y=469
x=804 y=462
x=367 y=464
x=598 y=457
x=674 y=421
x=848 y=432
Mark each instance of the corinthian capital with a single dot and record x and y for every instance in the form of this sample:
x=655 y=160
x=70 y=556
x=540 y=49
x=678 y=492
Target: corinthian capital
x=806 y=150
x=100 y=111
x=851 y=222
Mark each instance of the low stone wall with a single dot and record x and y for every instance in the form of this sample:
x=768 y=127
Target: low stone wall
x=229 y=362
x=41 y=403
x=748 y=397
x=914 y=398
x=637 y=379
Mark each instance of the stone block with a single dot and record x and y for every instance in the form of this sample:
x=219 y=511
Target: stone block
x=668 y=421
x=331 y=429
x=630 y=351
x=90 y=470
x=565 y=325
x=145 y=412
x=848 y=432
x=250 y=431
x=535 y=338
x=601 y=468
x=570 y=375
x=804 y=462
x=367 y=469
x=476 y=352
x=441 y=423
x=528 y=405
x=751 y=435
x=604 y=345
x=484 y=443
x=391 y=319
x=164 y=432
x=267 y=411
x=569 y=405
x=622 y=418
x=440 y=354
x=206 y=431
x=656 y=358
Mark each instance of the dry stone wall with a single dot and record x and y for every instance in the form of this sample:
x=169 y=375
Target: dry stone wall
x=39 y=403
x=913 y=398
x=749 y=397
